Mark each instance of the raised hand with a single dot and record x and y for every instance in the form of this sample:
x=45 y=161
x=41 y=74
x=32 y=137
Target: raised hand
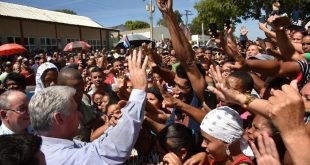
x=120 y=79
x=154 y=59
x=222 y=91
x=287 y=105
x=137 y=70
x=165 y=6
x=230 y=31
x=262 y=26
x=243 y=31
x=267 y=153
x=169 y=101
x=278 y=22
x=231 y=47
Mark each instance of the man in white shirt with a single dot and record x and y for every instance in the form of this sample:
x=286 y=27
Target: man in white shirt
x=54 y=116
x=14 y=113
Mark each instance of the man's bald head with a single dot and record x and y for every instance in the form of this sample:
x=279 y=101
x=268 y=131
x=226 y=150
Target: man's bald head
x=73 y=78
x=68 y=74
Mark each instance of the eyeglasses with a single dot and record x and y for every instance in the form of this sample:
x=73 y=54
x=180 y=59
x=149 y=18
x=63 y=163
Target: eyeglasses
x=21 y=110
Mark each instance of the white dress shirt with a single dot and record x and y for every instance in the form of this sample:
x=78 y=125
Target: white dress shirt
x=113 y=147
x=4 y=130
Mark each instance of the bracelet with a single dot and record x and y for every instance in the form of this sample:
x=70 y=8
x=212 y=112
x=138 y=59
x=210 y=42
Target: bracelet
x=249 y=99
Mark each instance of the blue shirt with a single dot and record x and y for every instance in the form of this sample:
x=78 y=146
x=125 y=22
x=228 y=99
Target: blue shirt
x=113 y=147
x=192 y=124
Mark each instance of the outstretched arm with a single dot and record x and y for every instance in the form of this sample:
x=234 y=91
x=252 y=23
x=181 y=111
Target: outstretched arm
x=155 y=64
x=286 y=47
x=183 y=49
x=269 y=67
x=116 y=146
x=192 y=112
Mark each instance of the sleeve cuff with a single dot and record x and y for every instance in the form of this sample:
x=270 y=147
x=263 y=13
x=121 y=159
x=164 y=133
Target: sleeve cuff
x=137 y=95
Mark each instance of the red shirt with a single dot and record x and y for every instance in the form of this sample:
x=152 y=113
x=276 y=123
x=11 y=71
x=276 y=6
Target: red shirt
x=241 y=159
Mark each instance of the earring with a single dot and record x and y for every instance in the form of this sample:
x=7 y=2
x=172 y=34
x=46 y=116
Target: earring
x=227 y=151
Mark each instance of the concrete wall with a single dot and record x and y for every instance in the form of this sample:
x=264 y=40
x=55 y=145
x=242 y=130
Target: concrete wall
x=90 y=33
x=38 y=29
x=159 y=33
x=68 y=31
x=10 y=27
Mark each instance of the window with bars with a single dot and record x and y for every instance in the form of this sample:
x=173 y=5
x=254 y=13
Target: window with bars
x=29 y=42
x=48 y=43
x=94 y=43
x=71 y=40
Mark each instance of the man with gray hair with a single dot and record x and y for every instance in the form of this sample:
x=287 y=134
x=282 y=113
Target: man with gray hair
x=14 y=113
x=54 y=116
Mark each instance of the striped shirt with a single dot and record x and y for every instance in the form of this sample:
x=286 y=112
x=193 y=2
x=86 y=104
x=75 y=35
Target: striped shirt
x=305 y=69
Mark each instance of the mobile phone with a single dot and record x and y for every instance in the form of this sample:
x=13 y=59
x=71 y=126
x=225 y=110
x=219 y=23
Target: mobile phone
x=213 y=29
x=262 y=19
x=282 y=21
x=227 y=23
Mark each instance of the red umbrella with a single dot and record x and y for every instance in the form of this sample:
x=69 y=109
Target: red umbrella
x=77 y=45
x=9 y=49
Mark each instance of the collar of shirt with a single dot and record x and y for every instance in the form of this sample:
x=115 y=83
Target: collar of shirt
x=53 y=141
x=4 y=130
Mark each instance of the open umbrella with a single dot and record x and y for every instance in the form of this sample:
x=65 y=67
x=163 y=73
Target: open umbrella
x=135 y=40
x=77 y=45
x=10 y=49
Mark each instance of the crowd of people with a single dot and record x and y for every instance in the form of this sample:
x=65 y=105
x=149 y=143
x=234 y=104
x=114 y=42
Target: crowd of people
x=242 y=103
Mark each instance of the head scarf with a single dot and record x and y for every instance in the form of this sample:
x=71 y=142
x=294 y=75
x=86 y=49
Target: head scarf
x=41 y=69
x=223 y=123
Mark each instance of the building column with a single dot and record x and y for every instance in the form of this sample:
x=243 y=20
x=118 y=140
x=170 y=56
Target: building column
x=21 y=32
x=56 y=34
x=80 y=30
x=101 y=47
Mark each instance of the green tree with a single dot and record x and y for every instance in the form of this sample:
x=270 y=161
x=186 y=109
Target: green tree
x=218 y=11
x=66 y=11
x=161 y=21
x=133 y=25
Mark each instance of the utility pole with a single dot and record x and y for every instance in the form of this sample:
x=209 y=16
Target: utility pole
x=151 y=8
x=202 y=34
x=187 y=13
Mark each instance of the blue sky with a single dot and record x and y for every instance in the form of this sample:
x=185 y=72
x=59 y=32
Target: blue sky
x=115 y=12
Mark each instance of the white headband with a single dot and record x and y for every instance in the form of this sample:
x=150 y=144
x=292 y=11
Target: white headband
x=223 y=123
